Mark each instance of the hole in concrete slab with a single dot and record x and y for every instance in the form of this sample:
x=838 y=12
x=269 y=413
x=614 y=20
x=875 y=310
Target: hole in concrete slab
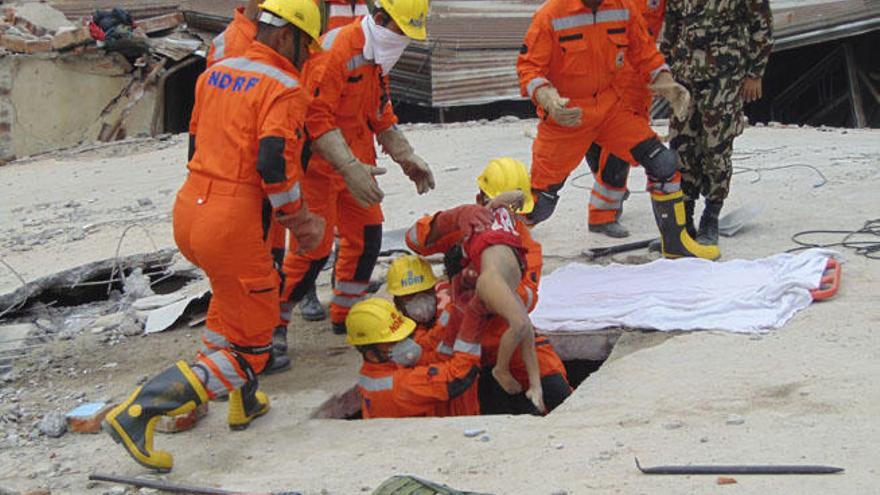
x=348 y=404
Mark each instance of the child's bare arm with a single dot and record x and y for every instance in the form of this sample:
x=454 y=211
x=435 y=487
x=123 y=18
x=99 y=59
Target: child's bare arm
x=496 y=287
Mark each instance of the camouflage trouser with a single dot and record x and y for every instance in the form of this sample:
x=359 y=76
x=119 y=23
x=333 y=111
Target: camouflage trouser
x=704 y=140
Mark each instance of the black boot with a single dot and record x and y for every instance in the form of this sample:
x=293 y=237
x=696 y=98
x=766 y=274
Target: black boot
x=708 y=234
x=173 y=392
x=311 y=308
x=689 y=217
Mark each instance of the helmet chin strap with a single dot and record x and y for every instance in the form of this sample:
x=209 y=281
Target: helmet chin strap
x=297 y=62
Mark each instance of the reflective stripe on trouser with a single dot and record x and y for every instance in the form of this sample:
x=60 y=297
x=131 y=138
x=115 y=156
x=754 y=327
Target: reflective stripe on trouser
x=609 y=190
x=558 y=150
x=219 y=228
x=360 y=239
x=223 y=373
x=212 y=342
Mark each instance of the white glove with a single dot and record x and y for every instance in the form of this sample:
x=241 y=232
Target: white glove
x=395 y=144
x=548 y=98
x=358 y=176
x=677 y=95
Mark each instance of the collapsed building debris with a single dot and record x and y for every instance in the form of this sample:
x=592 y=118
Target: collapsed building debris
x=99 y=86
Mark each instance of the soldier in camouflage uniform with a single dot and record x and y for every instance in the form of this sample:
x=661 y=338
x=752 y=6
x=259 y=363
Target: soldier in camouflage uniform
x=718 y=49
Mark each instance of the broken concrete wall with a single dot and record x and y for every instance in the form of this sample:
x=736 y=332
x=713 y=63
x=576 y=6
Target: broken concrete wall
x=55 y=101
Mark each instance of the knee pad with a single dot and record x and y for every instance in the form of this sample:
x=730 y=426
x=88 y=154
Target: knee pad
x=616 y=172
x=660 y=162
x=370 y=254
x=545 y=204
x=593 y=156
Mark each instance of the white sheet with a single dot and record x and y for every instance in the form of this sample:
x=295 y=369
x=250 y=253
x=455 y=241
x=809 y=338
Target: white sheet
x=685 y=294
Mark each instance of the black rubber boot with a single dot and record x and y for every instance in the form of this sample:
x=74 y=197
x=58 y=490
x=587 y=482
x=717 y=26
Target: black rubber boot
x=311 y=308
x=689 y=217
x=708 y=234
x=173 y=392
x=277 y=363
x=339 y=329
x=674 y=239
x=279 y=340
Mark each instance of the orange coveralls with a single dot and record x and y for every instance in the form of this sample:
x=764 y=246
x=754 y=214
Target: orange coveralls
x=582 y=53
x=343 y=12
x=233 y=42
x=390 y=391
x=548 y=360
x=350 y=94
x=247 y=132
x=610 y=172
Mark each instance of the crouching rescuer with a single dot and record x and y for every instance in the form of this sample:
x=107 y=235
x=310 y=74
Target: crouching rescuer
x=246 y=140
x=394 y=381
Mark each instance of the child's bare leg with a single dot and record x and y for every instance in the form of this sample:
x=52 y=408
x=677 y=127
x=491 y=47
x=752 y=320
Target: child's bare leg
x=496 y=288
x=535 y=393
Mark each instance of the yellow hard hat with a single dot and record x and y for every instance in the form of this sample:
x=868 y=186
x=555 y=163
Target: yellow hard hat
x=410 y=274
x=377 y=321
x=507 y=174
x=410 y=15
x=303 y=14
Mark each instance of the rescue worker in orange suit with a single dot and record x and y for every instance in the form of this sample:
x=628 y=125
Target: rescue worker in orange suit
x=444 y=232
x=341 y=13
x=610 y=172
x=420 y=297
x=568 y=65
x=392 y=383
x=351 y=108
x=233 y=42
x=246 y=142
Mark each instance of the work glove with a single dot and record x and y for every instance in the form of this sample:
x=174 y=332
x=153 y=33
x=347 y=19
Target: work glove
x=307 y=228
x=466 y=218
x=395 y=145
x=358 y=176
x=548 y=98
x=677 y=95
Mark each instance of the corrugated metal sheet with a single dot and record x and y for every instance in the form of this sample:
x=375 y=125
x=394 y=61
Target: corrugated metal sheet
x=139 y=9
x=471 y=52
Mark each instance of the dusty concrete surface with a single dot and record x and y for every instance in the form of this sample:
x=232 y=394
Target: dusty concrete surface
x=806 y=393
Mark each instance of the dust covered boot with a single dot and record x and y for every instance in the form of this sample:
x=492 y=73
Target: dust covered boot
x=173 y=392
x=708 y=234
x=247 y=403
x=675 y=241
x=311 y=308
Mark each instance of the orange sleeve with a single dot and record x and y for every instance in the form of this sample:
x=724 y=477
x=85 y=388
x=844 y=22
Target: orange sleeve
x=326 y=82
x=438 y=382
x=234 y=40
x=385 y=118
x=642 y=52
x=533 y=63
x=528 y=286
x=197 y=105
x=417 y=235
x=280 y=147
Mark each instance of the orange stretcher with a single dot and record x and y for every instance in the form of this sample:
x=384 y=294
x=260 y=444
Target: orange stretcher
x=830 y=281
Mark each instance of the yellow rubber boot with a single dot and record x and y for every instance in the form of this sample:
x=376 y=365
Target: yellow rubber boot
x=246 y=404
x=669 y=212
x=132 y=423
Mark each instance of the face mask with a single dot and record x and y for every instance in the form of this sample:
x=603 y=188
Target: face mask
x=421 y=308
x=406 y=353
x=383 y=46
